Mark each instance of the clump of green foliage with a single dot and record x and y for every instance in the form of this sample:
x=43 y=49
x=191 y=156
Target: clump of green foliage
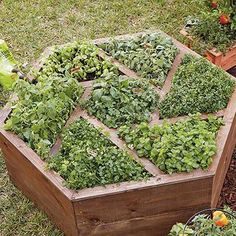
x=88 y=158
x=180 y=147
x=203 y=225
x=150 y=55
x=118 y=100
x=197 y=86
x=77 y=60
x=42 y=109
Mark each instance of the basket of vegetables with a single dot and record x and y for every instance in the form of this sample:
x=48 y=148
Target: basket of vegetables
x=208 y=222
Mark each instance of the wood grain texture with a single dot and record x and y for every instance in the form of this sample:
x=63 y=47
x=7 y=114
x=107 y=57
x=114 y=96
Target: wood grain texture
x=44 y=188
x=120 y=213
x=224 y=162
x=156 y=225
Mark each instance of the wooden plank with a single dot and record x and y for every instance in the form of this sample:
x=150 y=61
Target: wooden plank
x=158 y=225
x=224 y=162
x=112 y=189
x=164 y=200
x=173 y=120
x=28 y=173
x=5 y=112
x=168 y=83
x=9 y=139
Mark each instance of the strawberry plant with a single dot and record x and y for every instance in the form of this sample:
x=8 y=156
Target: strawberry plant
x=180 y=147
x=42 y=110
x=88 y=158
x=197 y=86
x=150 y=55
x=77 y=60
x=118 y=100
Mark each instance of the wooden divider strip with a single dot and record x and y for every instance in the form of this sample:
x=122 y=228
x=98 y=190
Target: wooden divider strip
x=168 y=83
x=113 y=136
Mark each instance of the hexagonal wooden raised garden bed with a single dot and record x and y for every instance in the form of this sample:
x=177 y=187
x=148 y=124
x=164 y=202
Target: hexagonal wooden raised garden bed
x=147 y=207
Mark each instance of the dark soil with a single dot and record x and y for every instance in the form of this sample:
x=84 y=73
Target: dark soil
x=228 y=193
x=232 y=71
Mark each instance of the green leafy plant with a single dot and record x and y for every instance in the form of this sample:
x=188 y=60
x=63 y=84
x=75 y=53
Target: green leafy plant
x=88 y=158
x=42 y=109
x=150 y=55
x=77 y=60
x=197 y=86
x=118 y=100
x=180 y=147
x=204 y=225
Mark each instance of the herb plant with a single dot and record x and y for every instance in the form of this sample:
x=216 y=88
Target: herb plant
x=150 y=55
x=197 y=86
x=88 y=158
x=77 y=60
x=42 y=110
x=118 y=100
x=180 y=147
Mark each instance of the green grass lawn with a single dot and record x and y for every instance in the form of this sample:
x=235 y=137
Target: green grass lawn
x=28 y=26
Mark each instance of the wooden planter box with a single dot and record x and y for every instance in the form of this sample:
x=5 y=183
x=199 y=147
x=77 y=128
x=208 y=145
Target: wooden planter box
x=131 y=208
x=225 y=61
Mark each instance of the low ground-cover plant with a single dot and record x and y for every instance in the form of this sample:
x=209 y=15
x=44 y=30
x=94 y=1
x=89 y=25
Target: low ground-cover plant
x=180 y=147
x=118 y=100
x=217 y=26
x=150 y=55
x=88 y=158
x=77 y=60
x=42 y=109
x=219 y=224
x=197 y=86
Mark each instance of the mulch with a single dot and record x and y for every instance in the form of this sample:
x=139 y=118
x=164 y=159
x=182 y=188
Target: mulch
x=228 y=193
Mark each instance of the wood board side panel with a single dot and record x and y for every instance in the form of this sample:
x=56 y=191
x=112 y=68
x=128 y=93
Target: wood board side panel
x=226 y=61
x=38 y=188
x=224 y=163
x=157 y=225
x=117 y=214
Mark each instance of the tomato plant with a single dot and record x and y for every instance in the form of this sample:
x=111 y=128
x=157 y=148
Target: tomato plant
x=217 y=26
